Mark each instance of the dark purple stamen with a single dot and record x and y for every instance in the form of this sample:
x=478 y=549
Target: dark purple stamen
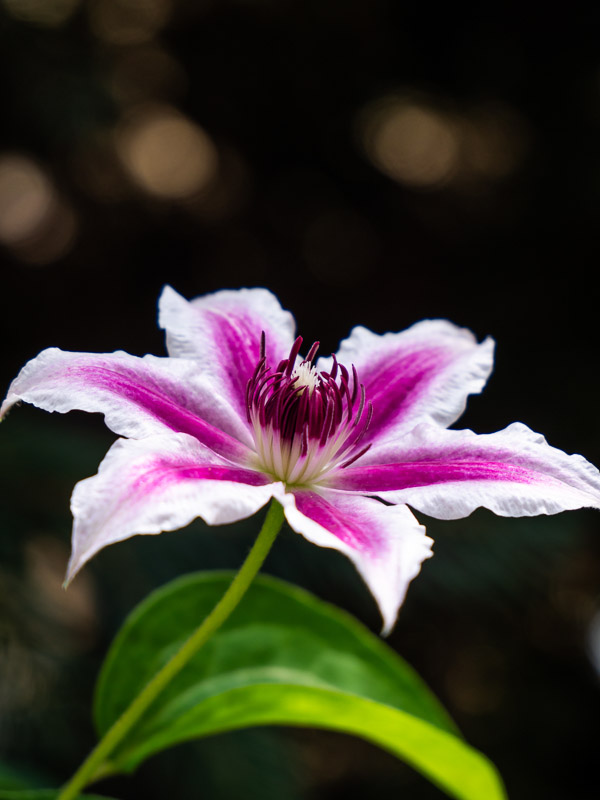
x=293 y=355
x=319 y=417
x=312 y=353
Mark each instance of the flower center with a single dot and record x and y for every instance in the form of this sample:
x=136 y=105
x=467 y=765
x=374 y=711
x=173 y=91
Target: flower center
x=306 y=422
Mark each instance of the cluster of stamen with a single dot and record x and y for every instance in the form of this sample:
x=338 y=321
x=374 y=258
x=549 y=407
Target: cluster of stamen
x=306 y=422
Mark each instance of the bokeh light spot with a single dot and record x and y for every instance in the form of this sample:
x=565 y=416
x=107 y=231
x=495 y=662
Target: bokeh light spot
x=410 y=142
x=34 y=221
x=424 y=143
x=166 y=154
x=46 y=564
x=26 y=196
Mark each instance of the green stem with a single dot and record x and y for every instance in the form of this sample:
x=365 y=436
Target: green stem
x=94 y=764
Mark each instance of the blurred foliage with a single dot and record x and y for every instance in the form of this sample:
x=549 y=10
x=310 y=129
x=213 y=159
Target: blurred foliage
x=10 y=779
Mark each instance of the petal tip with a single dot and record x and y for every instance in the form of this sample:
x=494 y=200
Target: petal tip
x=5 y=408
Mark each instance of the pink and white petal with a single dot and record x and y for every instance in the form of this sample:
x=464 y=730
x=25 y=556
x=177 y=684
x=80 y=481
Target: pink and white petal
x=386 y=543
x=448 y=474
x=138 y=396
x=423 y=374
x=157 y=484
x=222 y=331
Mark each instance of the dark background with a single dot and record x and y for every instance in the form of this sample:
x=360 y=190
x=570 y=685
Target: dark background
x=372 y=162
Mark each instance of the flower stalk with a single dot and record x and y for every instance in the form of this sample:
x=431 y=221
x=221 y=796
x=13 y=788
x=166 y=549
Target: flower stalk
x=96 y=764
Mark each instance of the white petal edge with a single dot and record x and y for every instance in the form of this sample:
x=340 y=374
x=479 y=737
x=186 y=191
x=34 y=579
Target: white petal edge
x=566 y=482
x=388 y=572
x=62 y=381
x=187 y=331
x=467 y=366
x=120 y=501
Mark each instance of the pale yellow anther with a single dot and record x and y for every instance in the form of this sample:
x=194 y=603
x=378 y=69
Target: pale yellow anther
x=306 y=375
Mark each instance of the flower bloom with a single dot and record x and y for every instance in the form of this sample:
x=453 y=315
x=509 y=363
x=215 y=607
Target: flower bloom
x=234 y=417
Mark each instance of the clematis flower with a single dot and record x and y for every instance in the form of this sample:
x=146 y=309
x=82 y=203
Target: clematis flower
x=234 y=416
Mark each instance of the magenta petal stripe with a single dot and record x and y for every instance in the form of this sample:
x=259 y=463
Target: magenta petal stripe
x=222 y=331
x=156 y=484
x=423 y=374
x=138 y=396
x=386 y=543
x=237 y=415
x=447 y=474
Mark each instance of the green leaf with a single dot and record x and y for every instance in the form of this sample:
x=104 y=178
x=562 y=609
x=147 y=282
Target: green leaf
x=283 y=657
